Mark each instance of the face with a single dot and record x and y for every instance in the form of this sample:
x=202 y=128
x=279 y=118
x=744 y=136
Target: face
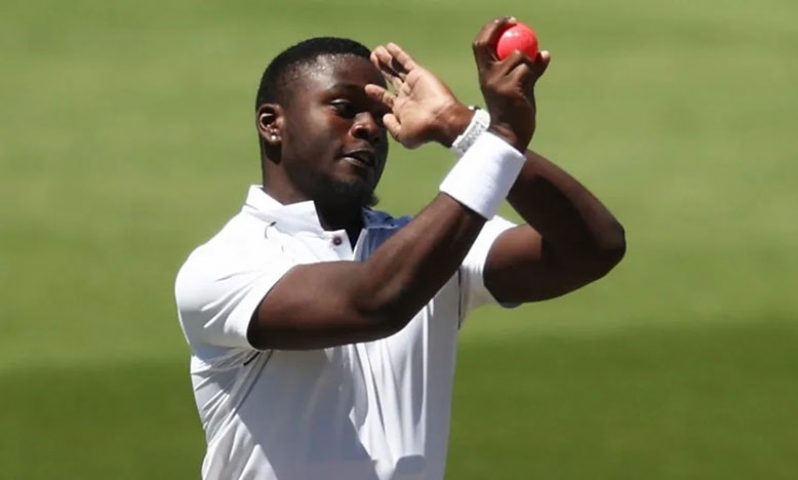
x=333 y=143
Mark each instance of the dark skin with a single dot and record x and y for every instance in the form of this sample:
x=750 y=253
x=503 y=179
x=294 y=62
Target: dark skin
x=569 y=239
x=346 y=151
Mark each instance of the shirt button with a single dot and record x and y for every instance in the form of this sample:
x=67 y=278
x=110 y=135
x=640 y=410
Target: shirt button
x=337 y=241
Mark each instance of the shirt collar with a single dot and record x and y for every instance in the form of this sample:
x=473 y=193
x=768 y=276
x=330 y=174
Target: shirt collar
x=301 y=216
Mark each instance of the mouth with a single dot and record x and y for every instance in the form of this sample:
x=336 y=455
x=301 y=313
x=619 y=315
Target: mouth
x=360 y=158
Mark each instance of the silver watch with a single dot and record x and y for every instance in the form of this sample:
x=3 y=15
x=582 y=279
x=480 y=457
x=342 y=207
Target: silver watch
x=479 y=123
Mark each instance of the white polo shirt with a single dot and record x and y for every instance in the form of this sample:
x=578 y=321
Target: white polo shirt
x=377 y=410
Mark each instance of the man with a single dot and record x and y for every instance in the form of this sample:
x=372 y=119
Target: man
x=323 y=332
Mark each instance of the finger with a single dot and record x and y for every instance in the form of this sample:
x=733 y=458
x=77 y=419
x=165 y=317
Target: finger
x=386 y=64
x=542 y=62
x=393 y=125
x=403 y=62
x=485 y=42
x=513 y=60
x=382 y=59
x=381 y=95
x=522 y=75
x=397 y=61
x=536 y=66
x=519 y=70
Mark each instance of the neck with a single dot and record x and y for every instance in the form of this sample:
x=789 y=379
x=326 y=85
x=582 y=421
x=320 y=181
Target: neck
x=331 y=217
x=337 y=210
x=349 y=218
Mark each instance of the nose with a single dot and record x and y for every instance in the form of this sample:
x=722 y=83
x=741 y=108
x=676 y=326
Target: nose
x=365 y=127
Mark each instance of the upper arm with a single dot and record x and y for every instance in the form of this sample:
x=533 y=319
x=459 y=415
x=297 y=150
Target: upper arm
x=570 y=238
x=216 y=294
x=289 y=303
x=523 y=267
x=273 y=303
x=316 y=306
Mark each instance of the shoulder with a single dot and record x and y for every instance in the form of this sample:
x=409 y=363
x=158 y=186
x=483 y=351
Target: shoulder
x=239 y=249
x=223 y=245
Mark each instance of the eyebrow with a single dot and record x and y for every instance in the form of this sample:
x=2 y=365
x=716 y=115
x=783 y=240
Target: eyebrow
x=355 y=89
x=346 y=86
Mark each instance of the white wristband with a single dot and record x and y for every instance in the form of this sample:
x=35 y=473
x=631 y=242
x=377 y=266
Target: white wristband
x=479 y=124
x=482 y=178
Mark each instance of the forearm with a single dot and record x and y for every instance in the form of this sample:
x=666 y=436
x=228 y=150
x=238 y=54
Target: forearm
x=572 y=221
x=407 y=270
x=333 y=303
x=414 y=265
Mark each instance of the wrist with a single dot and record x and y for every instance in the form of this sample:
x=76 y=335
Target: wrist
x=454 y=120
x=508 y=135
x=483 y=176
x=480 y=121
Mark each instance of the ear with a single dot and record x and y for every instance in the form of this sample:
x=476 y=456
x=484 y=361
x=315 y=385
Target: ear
x=269 y=121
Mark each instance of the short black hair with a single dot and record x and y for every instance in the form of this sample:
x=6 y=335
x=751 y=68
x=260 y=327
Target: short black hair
x=274 y=79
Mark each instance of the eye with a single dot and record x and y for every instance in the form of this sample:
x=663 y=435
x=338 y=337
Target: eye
x=344 y=108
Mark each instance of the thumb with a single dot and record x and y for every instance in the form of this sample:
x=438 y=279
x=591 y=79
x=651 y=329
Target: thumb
x=394 y=127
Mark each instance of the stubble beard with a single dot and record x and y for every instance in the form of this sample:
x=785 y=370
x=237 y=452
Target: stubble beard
x=342 y=194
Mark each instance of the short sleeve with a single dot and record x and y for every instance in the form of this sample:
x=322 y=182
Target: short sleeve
x=473 y=292
x=218 y=292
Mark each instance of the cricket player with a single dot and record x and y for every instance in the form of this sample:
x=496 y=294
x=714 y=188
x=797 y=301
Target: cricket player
x=323 y=332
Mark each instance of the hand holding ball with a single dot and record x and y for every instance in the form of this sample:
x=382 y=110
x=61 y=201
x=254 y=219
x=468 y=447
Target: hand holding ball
x=517 y=37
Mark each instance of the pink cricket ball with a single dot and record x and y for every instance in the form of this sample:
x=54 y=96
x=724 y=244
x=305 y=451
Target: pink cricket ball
x=517 y=37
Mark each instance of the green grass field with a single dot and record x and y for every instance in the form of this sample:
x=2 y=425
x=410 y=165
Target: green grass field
x=127 y=138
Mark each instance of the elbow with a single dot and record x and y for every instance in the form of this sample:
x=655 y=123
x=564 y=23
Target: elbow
x=390 y=318
x=391 y=305
x=610 y=251
x=384 y=316
x=393 y=325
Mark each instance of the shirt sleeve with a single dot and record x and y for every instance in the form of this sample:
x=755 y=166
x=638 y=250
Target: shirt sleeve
x=217 y=294
x=473 y=292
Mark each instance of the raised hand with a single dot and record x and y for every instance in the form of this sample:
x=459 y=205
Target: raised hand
x=508 y=85
x=423 y=109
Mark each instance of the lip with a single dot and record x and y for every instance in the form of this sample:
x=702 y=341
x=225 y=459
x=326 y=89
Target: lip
x=360 y=158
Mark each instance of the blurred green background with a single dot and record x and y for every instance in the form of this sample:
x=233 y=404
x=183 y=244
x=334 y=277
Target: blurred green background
x=127 y=139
